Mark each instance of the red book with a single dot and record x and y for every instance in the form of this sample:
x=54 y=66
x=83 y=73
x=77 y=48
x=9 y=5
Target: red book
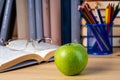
x=55 y=19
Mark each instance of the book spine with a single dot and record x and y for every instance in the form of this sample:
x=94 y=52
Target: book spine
x=55 y=18
x=1 y=6
x=22 y=19
x=75 y=21
x=66 y=21
x=15 y=34
x=46 y=18
x=6 y=20
x=12 y=21
x=116 y=42
x=39 y=23
x=102 y=4
x=31 y=20
x=116 y=31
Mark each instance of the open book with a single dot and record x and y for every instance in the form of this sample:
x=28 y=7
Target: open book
x=11 y=58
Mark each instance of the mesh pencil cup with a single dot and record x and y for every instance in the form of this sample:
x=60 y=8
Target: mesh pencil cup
x=99 y=39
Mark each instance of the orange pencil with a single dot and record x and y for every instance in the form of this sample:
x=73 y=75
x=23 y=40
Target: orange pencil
x=88 y=14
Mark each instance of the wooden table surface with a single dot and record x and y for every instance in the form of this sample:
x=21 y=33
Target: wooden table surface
x=99 y=68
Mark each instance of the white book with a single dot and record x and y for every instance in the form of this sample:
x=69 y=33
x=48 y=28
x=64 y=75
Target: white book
x=13 y=58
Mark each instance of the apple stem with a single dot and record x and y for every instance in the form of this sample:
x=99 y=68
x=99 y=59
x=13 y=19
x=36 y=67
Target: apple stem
x=69 y=44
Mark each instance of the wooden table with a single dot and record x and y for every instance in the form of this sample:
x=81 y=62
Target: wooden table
x=97 y=69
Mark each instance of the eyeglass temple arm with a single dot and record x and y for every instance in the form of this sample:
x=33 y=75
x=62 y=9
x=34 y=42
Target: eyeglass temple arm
x=2 y=42
x=43 y=39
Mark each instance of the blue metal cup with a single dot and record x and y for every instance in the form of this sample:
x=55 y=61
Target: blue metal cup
x=99 y=39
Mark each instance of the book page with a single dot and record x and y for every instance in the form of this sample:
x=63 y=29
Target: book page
x=41 y=48
x=7 y=54
x=15 y=50
x=45 y=52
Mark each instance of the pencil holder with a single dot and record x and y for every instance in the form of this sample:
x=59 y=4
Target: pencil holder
x=99 y=39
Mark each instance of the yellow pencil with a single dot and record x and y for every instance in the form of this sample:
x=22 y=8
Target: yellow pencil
x=107 y=17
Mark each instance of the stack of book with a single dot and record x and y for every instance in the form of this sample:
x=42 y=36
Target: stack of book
x=7 y=19
x=58 y=20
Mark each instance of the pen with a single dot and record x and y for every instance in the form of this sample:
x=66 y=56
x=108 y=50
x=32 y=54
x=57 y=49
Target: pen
x=98 y=15
x=102 y=42
x=116 y=12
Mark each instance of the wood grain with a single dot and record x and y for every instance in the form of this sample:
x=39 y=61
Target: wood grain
x=97 y=69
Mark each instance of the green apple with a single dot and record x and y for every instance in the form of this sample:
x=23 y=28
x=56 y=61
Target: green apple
x=71 y=58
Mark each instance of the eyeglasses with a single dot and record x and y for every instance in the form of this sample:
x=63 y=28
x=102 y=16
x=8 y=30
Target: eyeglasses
x=31 y=45
x=2 y=42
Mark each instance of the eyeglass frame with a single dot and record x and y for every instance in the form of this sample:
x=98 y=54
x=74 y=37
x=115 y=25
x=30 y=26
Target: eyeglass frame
x=3 y=43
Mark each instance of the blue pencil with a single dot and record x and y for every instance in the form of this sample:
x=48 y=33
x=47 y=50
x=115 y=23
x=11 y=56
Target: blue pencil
x=103 y=45
x=99 y=28
x=85 y=17
x=115 y=12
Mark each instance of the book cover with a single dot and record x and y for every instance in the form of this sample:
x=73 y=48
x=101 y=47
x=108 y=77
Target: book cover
x=55 y=21
x=46 y=18
x=22 y=19
x=117 y=21
x=75 y=21
x=6 y=20
x=102 y=4
x=115 y=29
x=12 y=22
x=2 y=5
x=15 y=32
x=116 y=42
x=39 y=19
x=31 y=20
x=65 y=21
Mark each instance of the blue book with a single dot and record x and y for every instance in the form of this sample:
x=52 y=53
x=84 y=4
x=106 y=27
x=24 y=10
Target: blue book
x=75 y=21
x=6 y=20
x=66 y=21
x=31 y=20
x=1 y=6
x=12 y=22
x=39 y=23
